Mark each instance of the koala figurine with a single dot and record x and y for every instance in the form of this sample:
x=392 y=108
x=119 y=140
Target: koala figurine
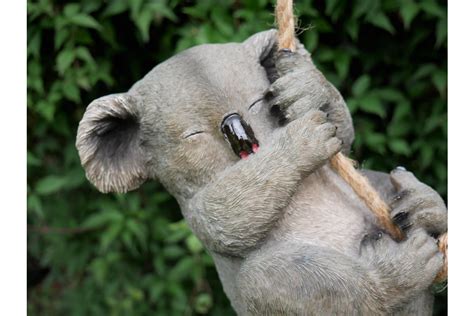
x=241 y=135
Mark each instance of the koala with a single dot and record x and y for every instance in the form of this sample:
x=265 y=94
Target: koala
x=241 y=135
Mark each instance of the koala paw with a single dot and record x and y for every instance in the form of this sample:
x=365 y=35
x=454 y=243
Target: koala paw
x=310 y=141
x=416 y=205
x=410 y=265
x=301 y=88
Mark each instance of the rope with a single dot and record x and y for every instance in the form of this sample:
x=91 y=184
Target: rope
x=343 y=165
x=361 y=186
x=443 y=247
x=286 y=24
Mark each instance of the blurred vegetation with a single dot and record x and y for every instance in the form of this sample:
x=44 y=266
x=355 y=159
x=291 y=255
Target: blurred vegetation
x=95 y=254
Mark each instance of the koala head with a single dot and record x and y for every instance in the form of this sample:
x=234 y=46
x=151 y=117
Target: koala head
x=178 y=123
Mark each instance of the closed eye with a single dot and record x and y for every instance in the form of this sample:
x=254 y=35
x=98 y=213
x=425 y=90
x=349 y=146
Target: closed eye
x=255 y=102
x=193 y=133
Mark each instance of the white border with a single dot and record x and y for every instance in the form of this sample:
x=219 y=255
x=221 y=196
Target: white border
x=13 y=158
x=460 y=144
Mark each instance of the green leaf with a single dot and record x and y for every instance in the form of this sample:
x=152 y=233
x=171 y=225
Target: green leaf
x=331 y=6
x=84 y=54
x=352 y=29
x=399 y=129
x=135 y=293
x=71 y=9
x=342 y=63
x=99 y=268
x=156 y=291
x=71 y=91
x=432 y=8
x=176 y=236
x=138 y=230
x=173 y=252
x=408 y=11
x=181 y=270
x=364 y=7
x=50 y=184
x=161 y=9
x=85 y=21
x=203 y=303
x=135 y=6
x=372 y=104
x=34 y=204
x=376 y=142
x=110 y=235
x=440 y=81
x=388 y=94
x=102 y=218
x=46 y=109
x=399 y=146
x=60 y=37
x=441 y=32
x=402 y=110
x=193 y=244
x=32 y=160
x=381 y=20
x=432 y=123
x=74 y=178
x=423 y=71
x=321 y=26
x=361 y=85
x=310 y=40
x=115 y=7
x=34 y=45
x=127 y=239
x=352 y=104
x=426 y=156
x=64 y=60
x=143 y=22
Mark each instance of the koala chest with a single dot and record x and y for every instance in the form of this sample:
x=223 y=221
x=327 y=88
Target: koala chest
x=325 y=212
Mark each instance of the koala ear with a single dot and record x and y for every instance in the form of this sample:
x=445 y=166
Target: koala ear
x=110 y=145
x=261 y=44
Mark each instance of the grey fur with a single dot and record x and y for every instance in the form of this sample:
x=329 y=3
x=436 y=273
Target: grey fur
x=287 y=234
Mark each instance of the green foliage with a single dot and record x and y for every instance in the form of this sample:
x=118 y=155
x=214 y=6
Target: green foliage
x=133 y=254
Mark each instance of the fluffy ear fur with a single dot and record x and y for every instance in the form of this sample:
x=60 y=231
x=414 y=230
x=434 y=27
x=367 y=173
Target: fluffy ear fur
x=110 y=144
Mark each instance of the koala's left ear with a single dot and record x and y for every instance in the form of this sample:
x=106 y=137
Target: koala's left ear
x=111 y=145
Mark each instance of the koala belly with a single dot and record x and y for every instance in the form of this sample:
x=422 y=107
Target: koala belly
x=325 y=212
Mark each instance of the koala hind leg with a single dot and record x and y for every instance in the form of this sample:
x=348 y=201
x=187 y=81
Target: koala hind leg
x=296 y=279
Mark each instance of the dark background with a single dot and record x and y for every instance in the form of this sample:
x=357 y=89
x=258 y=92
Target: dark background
x=132 y=254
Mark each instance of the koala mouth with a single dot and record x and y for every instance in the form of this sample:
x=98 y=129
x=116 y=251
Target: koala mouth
x=239 y=135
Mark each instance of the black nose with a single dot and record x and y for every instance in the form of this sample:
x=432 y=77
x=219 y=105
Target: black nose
x=239 y=135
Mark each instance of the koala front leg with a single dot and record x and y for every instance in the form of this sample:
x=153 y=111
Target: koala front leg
x=417 y=205
x=413 y=203
x=300 y=88
x=233 y=213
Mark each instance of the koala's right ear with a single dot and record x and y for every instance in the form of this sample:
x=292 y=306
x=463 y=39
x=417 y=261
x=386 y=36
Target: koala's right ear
x=262 y=44
x=110 y=144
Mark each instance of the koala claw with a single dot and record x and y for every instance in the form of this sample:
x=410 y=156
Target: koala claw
x=424 y=206
x=286 y=51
